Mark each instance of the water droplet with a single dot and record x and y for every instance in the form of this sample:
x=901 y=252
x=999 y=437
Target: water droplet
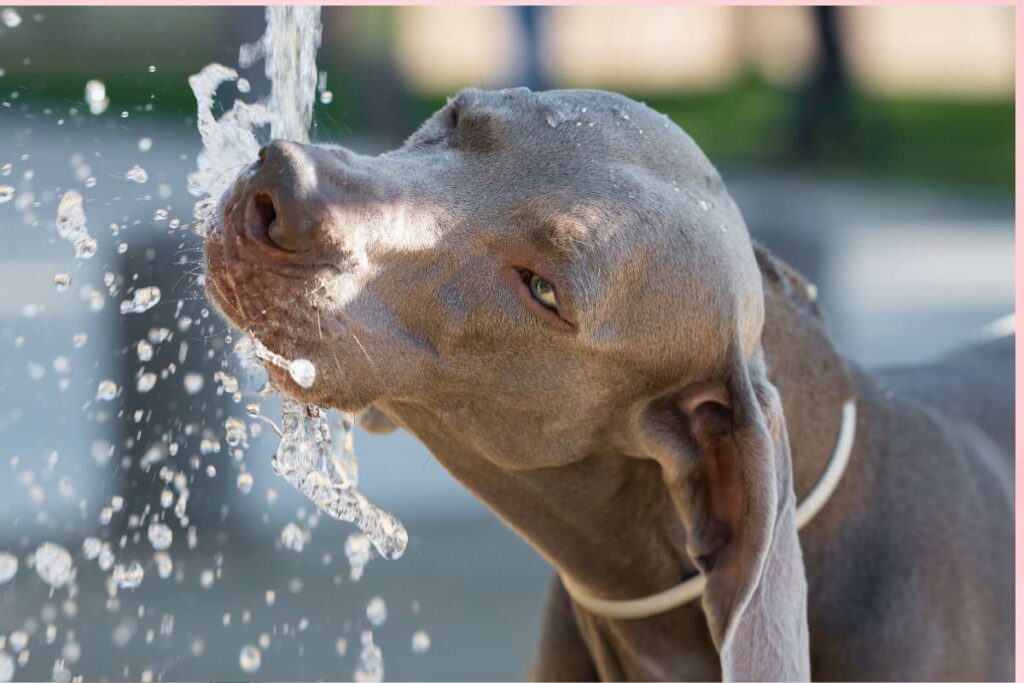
x=145 y=144
x=137 y=174
x=96 y=96
x=377 y=611
x=18 y=640
x=53 y=564
x=130 y=576
x=164 y=564
x=358 y=552
x=160 y=536
x=420 y=642
x=249 y=658
x=243 y=85
x=326 y=97
x=244 y=482
x=302 y=372
x=62 y=281
x=106 y=391
x=142 y=300
x=145 y=382
x=91 y=547
x=6 y=193
x=106 y=558
x=71 y=225
x=193 y=382
x=10 y=18
x=371 y=665
x=293 y=538
x=144 y=350
x=72 y=651
x=102 y=450
x=79 y=339
x=234 y=431
x=341 y=646
x=8 y=567
x=160 y=215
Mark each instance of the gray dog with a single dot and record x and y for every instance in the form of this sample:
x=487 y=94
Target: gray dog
x=556 y=294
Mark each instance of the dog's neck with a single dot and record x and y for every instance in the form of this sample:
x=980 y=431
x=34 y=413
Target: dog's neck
x=607 y=521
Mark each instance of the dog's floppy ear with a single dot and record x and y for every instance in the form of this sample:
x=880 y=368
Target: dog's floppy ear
x=724 y=453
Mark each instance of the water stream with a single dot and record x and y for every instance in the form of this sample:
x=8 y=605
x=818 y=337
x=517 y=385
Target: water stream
x=305 y=458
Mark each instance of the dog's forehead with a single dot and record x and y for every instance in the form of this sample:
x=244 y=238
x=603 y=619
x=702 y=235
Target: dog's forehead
x=589 y=128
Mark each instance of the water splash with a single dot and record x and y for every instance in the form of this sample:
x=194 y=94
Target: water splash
x=327 y=476
x=143 y=299
x=305 y=459
x=288 y=49
x=71 y=225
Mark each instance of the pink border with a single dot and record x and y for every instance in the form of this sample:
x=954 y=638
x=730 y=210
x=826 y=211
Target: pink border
x=250 y=3
x=1019 y=272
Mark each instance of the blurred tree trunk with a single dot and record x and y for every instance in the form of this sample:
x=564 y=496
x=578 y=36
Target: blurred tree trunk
x=534 y=75
x=823 y=113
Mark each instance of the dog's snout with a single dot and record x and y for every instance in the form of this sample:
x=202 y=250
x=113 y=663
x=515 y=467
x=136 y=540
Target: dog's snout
x=281 y=207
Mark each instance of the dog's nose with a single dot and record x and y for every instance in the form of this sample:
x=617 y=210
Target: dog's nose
x=280 y=207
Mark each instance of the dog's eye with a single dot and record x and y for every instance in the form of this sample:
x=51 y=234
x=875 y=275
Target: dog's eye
x=543 y=292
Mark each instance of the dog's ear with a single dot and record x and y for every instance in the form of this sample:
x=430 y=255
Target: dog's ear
x=724 y=453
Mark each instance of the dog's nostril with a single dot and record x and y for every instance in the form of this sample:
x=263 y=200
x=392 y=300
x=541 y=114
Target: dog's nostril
x=260 y=215
x=263 y=212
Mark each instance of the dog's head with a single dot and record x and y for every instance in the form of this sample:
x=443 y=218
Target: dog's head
x=553 y=273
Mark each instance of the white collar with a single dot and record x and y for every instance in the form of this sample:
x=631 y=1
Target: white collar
x=691 y=588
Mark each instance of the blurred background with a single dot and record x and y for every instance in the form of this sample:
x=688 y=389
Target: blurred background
x=872 y=148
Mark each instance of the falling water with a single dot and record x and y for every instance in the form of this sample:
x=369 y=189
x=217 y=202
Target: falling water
x=305 y=457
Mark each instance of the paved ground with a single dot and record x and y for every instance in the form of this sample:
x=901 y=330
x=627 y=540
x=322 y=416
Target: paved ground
x=905 y=273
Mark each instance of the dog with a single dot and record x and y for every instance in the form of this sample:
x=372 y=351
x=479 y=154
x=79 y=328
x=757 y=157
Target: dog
x=556 y=294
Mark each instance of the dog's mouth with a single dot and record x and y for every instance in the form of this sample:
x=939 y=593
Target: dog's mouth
x=265 y=296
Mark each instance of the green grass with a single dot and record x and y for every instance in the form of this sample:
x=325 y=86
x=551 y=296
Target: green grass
x=954 y=142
